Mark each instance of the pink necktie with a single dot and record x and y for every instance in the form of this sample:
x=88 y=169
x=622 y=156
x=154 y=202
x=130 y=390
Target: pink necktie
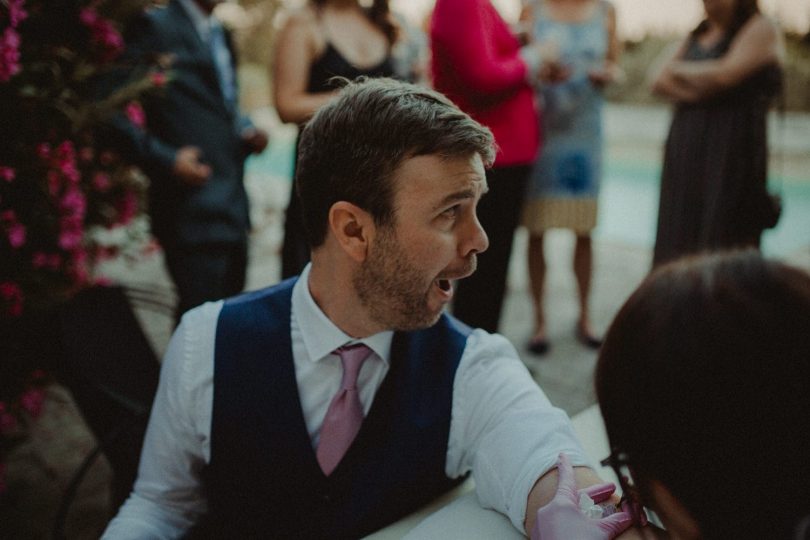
x=345 y=413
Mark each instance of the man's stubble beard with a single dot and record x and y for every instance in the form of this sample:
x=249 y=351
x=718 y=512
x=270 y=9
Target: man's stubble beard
x=392 y=289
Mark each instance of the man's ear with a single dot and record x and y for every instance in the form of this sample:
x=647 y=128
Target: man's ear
x=352 y=227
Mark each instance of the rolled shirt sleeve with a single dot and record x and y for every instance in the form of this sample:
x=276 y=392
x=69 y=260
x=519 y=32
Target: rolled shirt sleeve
x=167 y=498
x=503 y=427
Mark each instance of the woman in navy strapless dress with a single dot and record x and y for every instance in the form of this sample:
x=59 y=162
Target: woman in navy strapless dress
x=325 y=39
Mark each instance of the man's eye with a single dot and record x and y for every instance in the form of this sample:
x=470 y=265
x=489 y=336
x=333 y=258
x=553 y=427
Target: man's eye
x=451 y=212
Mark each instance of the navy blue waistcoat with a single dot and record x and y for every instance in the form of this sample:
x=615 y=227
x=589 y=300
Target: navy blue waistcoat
x=264 y=481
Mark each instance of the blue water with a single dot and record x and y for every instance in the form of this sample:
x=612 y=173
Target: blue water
x=628 y=209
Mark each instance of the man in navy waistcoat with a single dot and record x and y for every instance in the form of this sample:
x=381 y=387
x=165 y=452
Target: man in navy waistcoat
x=389 y=176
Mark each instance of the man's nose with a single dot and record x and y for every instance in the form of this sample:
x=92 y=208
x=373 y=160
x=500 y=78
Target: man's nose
x=475 y=240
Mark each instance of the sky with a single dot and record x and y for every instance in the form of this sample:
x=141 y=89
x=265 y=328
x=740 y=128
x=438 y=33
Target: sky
x=639 y=17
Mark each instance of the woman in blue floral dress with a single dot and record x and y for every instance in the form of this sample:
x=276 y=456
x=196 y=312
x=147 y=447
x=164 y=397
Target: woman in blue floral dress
x=565 y=180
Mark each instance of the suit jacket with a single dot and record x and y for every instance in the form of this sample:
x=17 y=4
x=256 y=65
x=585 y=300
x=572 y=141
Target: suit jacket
x=191 y=110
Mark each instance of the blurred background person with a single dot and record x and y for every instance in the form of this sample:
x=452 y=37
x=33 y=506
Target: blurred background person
x=478 y=63
x=193 y=148
x=703 y=382
x=722 y=79
x=565 y=180
x=324 y=39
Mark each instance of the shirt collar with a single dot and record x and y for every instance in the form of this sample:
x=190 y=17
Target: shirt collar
x=202 y=21
x=322 y=336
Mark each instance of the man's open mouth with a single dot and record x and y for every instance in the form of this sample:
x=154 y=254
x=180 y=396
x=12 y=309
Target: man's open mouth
x=443 y=284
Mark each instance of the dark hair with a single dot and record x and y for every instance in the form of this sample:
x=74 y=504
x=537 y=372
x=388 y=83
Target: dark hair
x=744 y=10
x=351 y=146
x=379 y=13
x=704 y=385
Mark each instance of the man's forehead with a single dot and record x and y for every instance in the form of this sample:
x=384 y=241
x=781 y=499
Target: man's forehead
x=442 y=171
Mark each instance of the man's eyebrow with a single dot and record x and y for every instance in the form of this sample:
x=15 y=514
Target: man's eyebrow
x=462 y=195
x=457 y=196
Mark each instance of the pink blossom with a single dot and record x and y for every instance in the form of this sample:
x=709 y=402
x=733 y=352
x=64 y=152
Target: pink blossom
x=73 y=203
x=88 y=17
x=16 y=13
x=78 y=270
x=103 y=281
x=40 y=259
x=54 y=182
x=86 y=154
x=16 y=235
x=105 y=253
x=66 y=161
x=158 y=78
x=103 y=33
x=152 y=247
x=15 y=231
x=135 y=113
x=8 y=423
x=127 y=207
x=32 y=401
x=106 y=157
x=101 y=181
x=69 y=238
x=44 y=150
x=7 y=173
x=9 y=54
x=66 y=151
x=12 y=295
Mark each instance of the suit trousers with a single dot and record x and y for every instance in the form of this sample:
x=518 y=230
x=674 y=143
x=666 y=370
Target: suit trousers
x=206 y=272
x=479 y=298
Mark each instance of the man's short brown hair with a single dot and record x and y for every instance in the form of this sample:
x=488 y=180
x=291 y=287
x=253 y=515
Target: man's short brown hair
x=350 y=148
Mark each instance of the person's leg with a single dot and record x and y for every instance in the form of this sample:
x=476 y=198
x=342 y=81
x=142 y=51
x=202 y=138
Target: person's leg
x=583 y=268
x=479 y=298
x=204 y=273
x=537 y=276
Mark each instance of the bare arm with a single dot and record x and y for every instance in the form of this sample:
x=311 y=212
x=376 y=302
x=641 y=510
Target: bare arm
x=662 y=81
x=756 y=45
x=296 y=49
x=610 y=70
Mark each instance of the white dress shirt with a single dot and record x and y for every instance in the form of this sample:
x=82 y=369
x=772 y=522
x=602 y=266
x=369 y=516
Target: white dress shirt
x=503 y=428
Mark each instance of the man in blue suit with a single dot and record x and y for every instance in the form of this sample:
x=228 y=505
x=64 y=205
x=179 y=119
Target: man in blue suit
x=193 y=149
x=339 y=401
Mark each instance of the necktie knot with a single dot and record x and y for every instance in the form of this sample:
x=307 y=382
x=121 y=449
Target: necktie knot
x=352 y=358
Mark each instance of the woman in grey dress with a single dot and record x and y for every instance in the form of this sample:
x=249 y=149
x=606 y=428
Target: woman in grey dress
x=722 y=79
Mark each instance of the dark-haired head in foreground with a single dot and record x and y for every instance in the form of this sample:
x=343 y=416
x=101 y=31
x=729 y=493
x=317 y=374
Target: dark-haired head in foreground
x=704 y=385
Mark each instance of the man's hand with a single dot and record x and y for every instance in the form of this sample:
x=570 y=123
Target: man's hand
x=188 y=167
x=561 y=519
x=255 y=140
